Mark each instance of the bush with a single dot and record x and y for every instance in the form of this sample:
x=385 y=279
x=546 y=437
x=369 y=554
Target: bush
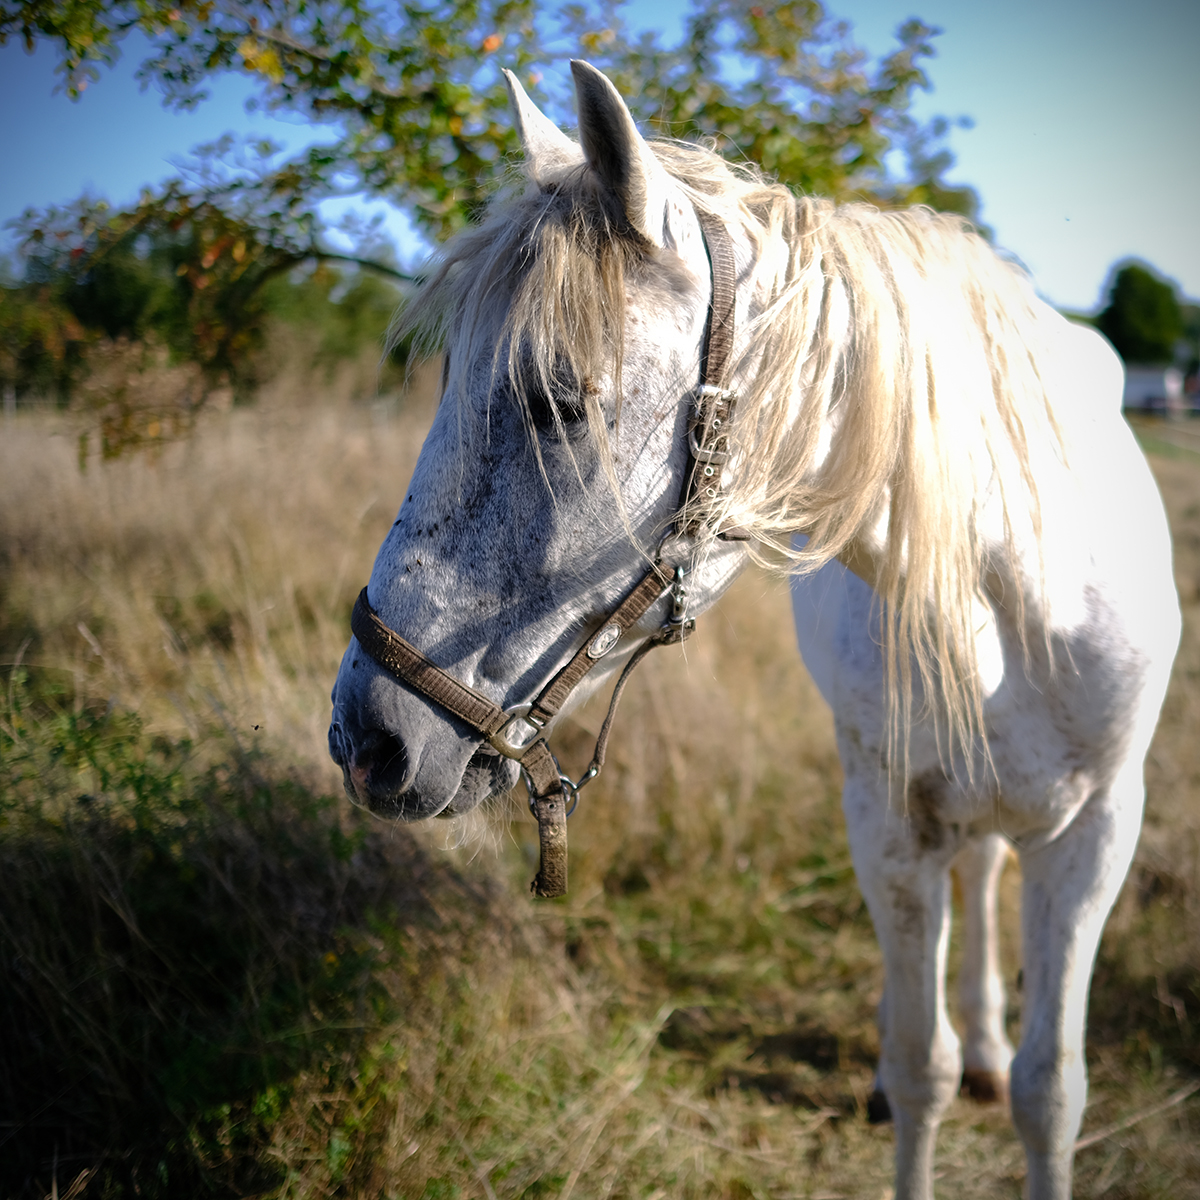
x=179 y=943
x=196 y=300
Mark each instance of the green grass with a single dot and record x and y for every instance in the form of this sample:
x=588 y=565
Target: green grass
x=186 y=934
x=218 y=978
x=217 y=983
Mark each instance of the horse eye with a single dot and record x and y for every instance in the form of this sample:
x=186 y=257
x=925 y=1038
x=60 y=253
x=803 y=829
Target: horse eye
x=562 y=403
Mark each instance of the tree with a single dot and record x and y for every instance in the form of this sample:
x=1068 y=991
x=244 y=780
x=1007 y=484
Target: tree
x=414 y=96
x=783 y=86
x=421 y=113
x=189 y=263
x=413 y=89
x=1143 y=319
x=1191 y=337
x=41 y=342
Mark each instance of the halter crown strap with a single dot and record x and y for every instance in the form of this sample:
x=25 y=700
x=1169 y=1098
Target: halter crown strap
x=708 y=423
x=722 y=307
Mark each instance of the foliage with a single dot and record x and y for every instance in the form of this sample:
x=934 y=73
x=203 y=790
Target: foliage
x=340 y=314
x=191 y=266
x=419 y=113
x=403 y=85
x=1191 y=336
x=131 y=395
x=178 y=944
x=41 y=340
x=416 y=110
x=136 y=321
x=1143 y=319
x=785 y=87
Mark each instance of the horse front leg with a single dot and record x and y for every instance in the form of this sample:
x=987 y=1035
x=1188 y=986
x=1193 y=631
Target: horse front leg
x=907 y=889
x=1069 y=886
x=982 y=1004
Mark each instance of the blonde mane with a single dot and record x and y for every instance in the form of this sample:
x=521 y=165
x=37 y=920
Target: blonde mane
x=888 y=385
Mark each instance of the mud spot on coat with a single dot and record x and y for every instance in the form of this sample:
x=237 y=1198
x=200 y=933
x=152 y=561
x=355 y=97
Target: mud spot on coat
x=910 y=910
x=926 y=794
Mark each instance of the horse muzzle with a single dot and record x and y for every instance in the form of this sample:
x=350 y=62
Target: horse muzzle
x=392 y=778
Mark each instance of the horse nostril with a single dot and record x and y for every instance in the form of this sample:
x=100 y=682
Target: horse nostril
x=380 y=763
x=338 y=744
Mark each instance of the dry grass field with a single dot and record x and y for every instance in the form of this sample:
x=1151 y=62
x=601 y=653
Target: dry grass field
x=216 y=978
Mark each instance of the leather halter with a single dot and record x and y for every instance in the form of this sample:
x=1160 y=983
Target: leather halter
x=513 y=732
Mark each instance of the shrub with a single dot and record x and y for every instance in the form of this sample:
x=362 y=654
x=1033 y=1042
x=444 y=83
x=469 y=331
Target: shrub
x=179 y=943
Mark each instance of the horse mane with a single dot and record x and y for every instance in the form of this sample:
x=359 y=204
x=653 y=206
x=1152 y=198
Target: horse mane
x=888 y=389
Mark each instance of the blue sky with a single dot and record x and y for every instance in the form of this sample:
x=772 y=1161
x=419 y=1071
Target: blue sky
x=1085 y=146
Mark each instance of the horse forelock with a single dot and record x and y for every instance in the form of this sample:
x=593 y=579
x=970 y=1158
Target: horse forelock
x=888 y=377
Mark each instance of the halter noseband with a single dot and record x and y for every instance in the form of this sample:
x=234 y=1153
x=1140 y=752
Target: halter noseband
x=513 y=732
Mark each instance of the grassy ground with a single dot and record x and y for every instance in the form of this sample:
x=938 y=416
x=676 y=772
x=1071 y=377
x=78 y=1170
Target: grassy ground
x=216 y=978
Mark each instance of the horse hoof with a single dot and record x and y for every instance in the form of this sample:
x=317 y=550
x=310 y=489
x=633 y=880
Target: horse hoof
x=985 y=1087
x=879 y=1111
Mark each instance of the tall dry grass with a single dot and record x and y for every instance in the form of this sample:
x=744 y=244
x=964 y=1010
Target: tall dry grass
x=696 y=1020
x=213 y=575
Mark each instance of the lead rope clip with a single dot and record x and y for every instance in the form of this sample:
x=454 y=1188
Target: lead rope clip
x=679 y=625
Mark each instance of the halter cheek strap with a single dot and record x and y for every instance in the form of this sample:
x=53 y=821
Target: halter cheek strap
x=514 y=732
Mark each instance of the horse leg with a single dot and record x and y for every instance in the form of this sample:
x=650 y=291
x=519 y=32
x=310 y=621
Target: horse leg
x=987 y=1052
x=907 y=890
x=1069 y=886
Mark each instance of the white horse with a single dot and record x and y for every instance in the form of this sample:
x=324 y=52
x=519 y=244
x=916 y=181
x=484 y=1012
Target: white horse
x=982 y=580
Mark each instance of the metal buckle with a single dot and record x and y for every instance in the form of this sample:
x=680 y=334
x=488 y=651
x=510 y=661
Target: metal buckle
x=504 y=739
x=709 y=397
x=678 y=624
x=706 y=454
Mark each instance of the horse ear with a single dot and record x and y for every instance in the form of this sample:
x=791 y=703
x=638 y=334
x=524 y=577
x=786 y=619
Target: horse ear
x=619 y=154
x=547 y=149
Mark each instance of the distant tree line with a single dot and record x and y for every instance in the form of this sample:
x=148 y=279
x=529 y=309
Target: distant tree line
x=1146 y=321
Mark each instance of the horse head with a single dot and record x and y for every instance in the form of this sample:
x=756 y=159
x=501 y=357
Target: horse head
x=573 y=325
